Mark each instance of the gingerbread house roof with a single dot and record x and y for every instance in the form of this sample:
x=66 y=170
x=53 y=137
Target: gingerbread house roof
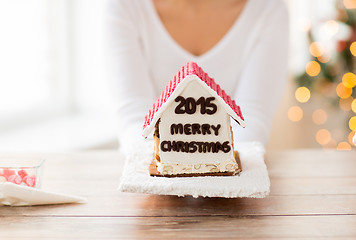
x=191 y=68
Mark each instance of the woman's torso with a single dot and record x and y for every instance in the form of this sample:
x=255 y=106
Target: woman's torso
x=224 y=61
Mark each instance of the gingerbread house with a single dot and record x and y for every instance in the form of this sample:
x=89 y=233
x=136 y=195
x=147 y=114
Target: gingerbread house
x=190 y=122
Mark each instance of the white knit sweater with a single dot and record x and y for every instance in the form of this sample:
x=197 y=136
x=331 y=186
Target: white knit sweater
x=249 y=63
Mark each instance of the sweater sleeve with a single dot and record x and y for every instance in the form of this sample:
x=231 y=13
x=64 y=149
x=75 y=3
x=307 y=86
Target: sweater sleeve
x=263 y=79
x=128 y=72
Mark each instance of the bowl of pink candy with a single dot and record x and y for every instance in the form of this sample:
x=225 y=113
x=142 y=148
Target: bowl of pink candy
x=25 y=172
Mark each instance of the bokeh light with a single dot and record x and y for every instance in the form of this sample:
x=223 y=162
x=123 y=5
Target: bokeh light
x=323 y=137
x=343 y=146
x=319 y=116
x=312 y=68
x=345 y=103
x=331 y=27
x=353 y=48
x=350 y=137
x=342 y=91
x=352 y=123
x=295 y=114
x=349 y=4
x=302 y=94
x=316 y=49
x=349 y=80
x=353 y=106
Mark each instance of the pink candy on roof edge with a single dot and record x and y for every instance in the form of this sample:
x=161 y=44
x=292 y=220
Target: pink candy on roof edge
x=191 y=68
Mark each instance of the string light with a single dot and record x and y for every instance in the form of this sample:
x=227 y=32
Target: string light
x=349 y=4
x=343 y=146
x=327 y=75
x=302 y=94
x=331 y=27
x=349 y=80
x=353 y=48
x=352 y=123
x=316 y=49
x=319 y=116
x=312 y=68
x=323 y=137
x=295 y=114
x=353 y=106
x=350 y=137
x=342 y=91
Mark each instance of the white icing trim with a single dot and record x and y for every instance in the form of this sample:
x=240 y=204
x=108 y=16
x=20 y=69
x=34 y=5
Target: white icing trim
x=178 y=90
x=173 y=169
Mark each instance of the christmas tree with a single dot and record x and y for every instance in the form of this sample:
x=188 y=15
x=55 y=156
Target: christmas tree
x=330 y=74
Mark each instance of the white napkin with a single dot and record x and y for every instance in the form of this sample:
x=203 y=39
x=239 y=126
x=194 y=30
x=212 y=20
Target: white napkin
x=252 y=182
x=16 y=195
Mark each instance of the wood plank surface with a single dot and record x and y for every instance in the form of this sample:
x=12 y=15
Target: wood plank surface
x=313 y=186
x=313 y=196
x=151 y=206
x=220 y=227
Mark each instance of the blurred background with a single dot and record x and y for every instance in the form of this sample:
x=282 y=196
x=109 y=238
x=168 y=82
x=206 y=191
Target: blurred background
x=55 y=96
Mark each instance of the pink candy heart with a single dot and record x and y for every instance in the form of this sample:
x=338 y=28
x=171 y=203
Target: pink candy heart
x=14 y=179
x=22 y=173
x=7 y=172
x=29 y=181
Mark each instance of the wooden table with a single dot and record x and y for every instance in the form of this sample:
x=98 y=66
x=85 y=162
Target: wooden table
x=313 y=195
